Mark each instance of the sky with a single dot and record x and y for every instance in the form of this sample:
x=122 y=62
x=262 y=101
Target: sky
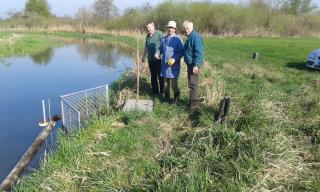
x=70 y=7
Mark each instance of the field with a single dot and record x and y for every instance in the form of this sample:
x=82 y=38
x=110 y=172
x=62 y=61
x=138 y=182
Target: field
x=271 y=141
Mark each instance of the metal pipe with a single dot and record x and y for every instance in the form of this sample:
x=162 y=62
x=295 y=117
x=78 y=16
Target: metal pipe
x=79 y=120
x=82 y=91
x=87 y=111
x=49 y=110
x=62 y=112
x=44 y=112
x=69 y=117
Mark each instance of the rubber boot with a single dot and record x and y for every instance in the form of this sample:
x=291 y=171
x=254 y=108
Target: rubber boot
x=167 y=96
x=176 y=98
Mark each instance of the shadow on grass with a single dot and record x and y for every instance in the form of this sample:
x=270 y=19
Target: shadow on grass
x=298 y=65
x=203 y=116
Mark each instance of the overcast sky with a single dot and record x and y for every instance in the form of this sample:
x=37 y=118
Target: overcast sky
x=70 y=7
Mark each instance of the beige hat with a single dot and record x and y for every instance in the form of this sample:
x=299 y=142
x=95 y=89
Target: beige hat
x=172 y=24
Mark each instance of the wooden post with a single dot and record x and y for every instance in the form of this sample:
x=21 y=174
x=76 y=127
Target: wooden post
x=138 y=73
x=221 y=109
x=11 y=179
x=224 y=110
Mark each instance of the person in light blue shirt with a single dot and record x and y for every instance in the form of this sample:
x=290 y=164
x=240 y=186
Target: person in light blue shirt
x=171 y=49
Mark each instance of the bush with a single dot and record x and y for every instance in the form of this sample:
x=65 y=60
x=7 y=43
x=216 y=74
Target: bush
x=220 y=18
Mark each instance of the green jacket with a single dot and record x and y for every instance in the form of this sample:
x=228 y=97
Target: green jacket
x=193 y=50
x=153 y=44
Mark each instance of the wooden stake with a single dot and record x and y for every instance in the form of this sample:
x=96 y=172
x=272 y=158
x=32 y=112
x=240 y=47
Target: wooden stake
x=138 y=74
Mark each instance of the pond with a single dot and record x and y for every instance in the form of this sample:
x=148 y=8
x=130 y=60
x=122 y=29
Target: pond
x=25 y=81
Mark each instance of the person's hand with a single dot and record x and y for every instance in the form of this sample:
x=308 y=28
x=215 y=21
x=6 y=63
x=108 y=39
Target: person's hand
x=195 y=70
x=171 y=61
x=157 y=56
x=143 y=59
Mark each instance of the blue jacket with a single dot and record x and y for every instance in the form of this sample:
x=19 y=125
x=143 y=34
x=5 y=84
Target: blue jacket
x=193 y=50
x=171 y=47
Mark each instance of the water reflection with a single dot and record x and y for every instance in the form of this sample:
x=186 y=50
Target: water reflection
x=5 y=62
x=43 y=58
x=104 y=53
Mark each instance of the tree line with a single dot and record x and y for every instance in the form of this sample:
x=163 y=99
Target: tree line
x=252 y=17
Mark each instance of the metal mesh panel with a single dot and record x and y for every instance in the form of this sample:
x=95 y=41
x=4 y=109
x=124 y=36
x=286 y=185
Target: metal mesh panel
x=78 y=108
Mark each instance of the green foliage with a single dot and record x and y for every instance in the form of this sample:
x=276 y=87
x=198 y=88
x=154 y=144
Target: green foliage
x=38 y=7
x=31 y=21
x=255 y=18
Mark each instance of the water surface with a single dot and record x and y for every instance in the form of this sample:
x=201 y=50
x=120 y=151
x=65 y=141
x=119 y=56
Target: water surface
x=25 y=81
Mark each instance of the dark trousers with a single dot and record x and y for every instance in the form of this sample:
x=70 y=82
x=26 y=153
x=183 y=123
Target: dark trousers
x=193 y=86
x=173 y=82
x=156 y=80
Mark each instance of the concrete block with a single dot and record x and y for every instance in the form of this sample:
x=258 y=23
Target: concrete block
x=140 y=105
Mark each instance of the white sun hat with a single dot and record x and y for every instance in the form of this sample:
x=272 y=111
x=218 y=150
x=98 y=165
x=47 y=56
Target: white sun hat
x=172 y=24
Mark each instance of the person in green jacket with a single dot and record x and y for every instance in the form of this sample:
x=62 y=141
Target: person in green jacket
x=151 y=47
x=193 y=57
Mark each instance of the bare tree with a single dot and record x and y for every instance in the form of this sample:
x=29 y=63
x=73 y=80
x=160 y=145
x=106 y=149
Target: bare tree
x=84 y=17
x=105 y=9
x=12 y=13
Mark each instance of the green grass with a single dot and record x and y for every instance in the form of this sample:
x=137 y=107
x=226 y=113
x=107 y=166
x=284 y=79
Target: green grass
x=271 y=140
x=17 y=44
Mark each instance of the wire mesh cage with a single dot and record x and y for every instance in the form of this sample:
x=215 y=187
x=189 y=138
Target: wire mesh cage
x=78 y=108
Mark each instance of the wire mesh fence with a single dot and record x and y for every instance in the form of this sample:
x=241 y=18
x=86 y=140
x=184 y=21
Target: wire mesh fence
x=78 y=108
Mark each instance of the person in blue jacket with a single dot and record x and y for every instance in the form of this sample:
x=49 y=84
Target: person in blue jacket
x=171 y=49
x=193 y=57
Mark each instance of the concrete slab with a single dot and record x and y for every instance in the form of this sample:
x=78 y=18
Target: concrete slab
x=140 y=105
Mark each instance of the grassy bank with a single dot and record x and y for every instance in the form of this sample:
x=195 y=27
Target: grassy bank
x=22 y=43
x=17 y=44
x=270 y=143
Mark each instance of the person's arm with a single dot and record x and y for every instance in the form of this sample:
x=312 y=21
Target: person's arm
x=159 y=52
x=178 y=49
x=143 y=57
x=198 y=51
x=145 y=51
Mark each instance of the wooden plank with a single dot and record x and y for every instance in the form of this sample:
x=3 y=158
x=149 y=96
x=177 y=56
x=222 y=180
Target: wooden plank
x=13 y=176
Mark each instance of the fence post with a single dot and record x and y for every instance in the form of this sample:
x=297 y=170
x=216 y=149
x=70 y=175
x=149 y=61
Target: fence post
x=226 y=109
x=221 y=109
x=79 y=119
x=70 y=117
x=86 y=95
x=62 y=111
